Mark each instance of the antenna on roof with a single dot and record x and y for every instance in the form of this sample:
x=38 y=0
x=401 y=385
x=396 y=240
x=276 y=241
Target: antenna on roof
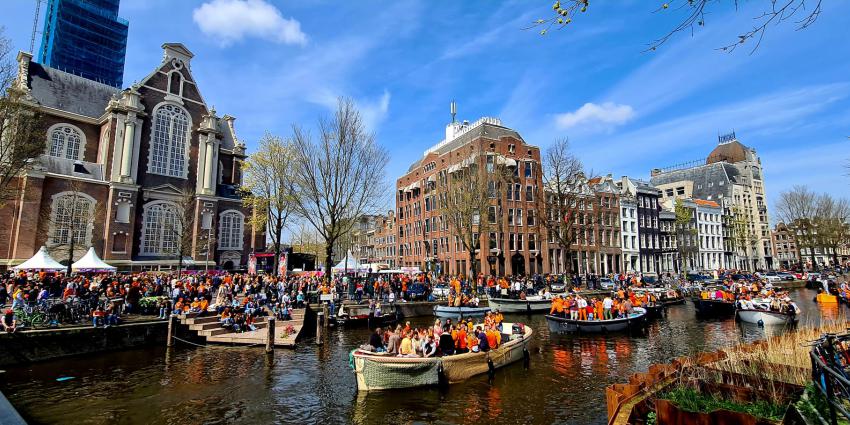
x=453 y=108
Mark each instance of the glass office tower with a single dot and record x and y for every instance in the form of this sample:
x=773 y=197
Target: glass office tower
x=85 y=38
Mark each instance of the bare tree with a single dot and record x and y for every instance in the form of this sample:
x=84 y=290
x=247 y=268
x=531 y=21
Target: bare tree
x=565 y=187
x=685 y=234
x=22 y=128
x=833 y=216
x=693 y=14
x=71 y=221
x=306 y=240
x=797 y=208
x=468 y=200
x=339 y=176
x=270 y=188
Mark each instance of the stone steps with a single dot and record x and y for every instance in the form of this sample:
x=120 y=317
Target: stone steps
x=209 y=327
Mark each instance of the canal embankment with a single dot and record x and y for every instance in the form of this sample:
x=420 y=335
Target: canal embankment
x=38 y=345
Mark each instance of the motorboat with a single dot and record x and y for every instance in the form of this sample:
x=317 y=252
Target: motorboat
x=531 y=304
x=366 y=315
x=561 y=324
x=382 y=371
x=450 y=312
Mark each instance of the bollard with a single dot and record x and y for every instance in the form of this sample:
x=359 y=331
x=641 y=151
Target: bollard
x=319 y=319
x=171 y=329
x=270 y=337
x=325 y=315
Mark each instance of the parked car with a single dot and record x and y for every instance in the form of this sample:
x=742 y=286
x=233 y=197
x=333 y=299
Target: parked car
x=559 y=286
x=772 y=277
x=441 y=290
x=606 y=283
x=786 y=276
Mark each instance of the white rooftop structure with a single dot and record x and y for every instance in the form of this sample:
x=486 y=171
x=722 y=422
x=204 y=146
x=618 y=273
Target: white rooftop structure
x=40 y=261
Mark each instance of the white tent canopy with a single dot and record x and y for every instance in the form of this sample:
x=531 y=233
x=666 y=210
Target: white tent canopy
x=349 y=263
x=40 y=261
x=91 y=261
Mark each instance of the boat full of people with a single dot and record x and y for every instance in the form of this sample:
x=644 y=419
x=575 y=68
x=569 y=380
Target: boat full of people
x=576 y=314
x=460 y=306
x=413 y=358
x=715 y=301
x=768 y=311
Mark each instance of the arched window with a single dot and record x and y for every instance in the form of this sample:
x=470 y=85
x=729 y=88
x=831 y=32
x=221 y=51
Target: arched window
x=65 y=141
x=71 y=216
x=161 y=229
x=230 y=230
x=168 y=142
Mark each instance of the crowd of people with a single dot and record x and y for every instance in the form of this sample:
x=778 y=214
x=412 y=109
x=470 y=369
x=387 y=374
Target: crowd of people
x=441 y=339
x=577 y=307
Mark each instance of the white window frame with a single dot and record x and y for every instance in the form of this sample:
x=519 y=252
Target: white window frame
x=168 y=167
x=159 y=230
x=63 y=150
x=54 y=220
x=233 y=241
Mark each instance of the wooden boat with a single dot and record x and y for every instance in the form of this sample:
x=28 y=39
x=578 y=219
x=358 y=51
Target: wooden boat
x=636 y=320
x=766 y=317
x=533 y=304
x=456 y=312
x=654 y=311
x=363 y=315
x=381 y=371
x=714 y=308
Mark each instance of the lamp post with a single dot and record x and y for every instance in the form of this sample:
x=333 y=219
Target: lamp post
x=207 y=259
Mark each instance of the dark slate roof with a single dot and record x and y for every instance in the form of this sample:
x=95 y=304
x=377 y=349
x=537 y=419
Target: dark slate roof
x=68 y=92
x=707 y=176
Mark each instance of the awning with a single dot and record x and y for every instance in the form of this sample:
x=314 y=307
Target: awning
x=92 y=262
x=40 y=261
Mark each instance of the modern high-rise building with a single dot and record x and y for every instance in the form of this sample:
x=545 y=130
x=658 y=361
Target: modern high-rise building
x=85 y=38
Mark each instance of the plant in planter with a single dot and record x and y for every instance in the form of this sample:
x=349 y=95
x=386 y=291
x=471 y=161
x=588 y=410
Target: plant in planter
x=684 y=404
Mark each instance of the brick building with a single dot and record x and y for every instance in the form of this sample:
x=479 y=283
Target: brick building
x=515 y=243
x=121 y=167
x=785 y=246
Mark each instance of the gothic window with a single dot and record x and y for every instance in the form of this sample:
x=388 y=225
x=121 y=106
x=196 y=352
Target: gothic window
x=230 y=230
x=161 y=229
x=72 y=214
x=65 y=141
x=168 y=142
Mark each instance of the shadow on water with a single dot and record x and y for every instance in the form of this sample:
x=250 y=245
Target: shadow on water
x=565 y=382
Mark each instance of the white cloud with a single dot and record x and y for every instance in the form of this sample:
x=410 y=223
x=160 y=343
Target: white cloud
x=607 y=115
x=230 y=21
x=374 y=111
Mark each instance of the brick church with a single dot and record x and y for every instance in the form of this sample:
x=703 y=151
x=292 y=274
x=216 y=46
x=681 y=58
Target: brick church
x=130 y=172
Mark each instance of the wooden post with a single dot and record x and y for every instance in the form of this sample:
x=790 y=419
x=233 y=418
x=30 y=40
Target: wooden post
x=171 y=328
x=270 y=337
x=319 y=319
x=326 y=315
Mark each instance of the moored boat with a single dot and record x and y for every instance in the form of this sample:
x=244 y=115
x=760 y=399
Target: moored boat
x=533 y=304
x=377 y=371
x=766 y=317
x=634 y=321
x=654 y=311
x=455 y=312
x=824 y=298
x=364 y=315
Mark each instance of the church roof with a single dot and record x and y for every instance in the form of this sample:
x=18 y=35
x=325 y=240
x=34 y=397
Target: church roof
x=67 y=92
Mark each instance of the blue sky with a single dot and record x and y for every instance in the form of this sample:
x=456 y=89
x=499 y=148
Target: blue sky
x=272 y=63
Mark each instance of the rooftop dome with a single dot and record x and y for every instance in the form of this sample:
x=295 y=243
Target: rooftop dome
x=730 y=151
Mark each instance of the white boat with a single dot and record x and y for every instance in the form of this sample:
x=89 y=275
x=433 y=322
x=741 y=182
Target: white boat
x=458 y=312
x=532 y=304
x=766 y=317
x=380 y=371
x=634 y=321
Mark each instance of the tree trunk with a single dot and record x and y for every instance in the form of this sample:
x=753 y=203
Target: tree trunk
x=278 y=231
x=329 y=252
x=71 y=253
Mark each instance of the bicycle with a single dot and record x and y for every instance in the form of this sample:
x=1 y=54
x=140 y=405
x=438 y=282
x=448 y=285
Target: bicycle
x=30 y=316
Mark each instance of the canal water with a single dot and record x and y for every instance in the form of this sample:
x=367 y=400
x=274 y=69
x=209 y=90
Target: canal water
x=186 y=385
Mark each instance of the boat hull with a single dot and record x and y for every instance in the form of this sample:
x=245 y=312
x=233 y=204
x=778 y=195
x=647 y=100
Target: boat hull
x=376 y=372
x=459 y=312
x=765 y=317
x=654 y=311
x=565 y=325
x=714 y=308
x=506 y=305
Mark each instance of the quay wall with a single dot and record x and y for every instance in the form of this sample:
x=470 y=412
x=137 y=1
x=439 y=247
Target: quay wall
x=47 y=344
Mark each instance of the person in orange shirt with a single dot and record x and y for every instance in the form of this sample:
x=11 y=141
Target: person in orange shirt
x=599 y=310
x=492 y=337
x=557 y=306
x=461 y=346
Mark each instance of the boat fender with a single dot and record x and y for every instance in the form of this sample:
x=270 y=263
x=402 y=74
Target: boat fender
x=491 y=369
x=761 y=323
x=442 y=380
x=526 y=357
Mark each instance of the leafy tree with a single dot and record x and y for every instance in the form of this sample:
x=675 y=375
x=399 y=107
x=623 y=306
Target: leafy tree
x=685 y=233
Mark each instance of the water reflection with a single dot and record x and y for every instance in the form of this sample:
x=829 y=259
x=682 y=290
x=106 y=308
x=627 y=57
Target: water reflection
x=314 y=384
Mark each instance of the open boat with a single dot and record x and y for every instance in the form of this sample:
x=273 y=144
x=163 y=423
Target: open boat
x=766 y=317
x=714 y=307
x=381 y=371
x=363 y=315
x=635 y=320
x=824 y=298
x=457 y=312
x=532 y=304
